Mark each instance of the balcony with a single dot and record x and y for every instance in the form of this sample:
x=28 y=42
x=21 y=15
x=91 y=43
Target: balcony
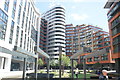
x=113 y=11
x=116 y=40
x=116 y=22
x=89 y=60
x=96 y=58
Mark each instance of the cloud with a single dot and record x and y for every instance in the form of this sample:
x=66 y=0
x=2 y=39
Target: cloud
x=78 y=17
x=78 y=0
x=53 y=3
x=73 y=7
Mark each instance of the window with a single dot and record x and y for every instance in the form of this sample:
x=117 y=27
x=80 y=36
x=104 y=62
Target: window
x=2 y=35
x=52 y=39
x=106 y=43
x=116 y=40
x=25 y=5
x=25 y=41
x=30 y=45
x=34 y=20
x=89 y=60
x=114 y=31
x=3 y=24
x=81 y=58
x=33 y=17
x=104 y=57
x=6 y=5
x=96 y=59
x=29 y=28
x=115 y=22
x=30 y=13
x=3 y=27
x=21 y=38
x=26 y=24
x=21 y=2
x=13 y=14
x=106 y=39
x=33 y=34
x=28 y=8
x=56 y=31
x=17 y=35
x=23 y=19
x=14 y=8
x=19 y=13
x=3 y=16
x=11 y=32
x=116 y=48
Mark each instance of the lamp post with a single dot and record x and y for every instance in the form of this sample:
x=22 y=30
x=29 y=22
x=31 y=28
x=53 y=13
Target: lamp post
x=36 y=67
x=60 y=55
x=84 y=67
x=48 y=67
x=24 y=69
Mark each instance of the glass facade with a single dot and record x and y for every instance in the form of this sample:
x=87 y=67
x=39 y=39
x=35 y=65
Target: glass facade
x=18 y=34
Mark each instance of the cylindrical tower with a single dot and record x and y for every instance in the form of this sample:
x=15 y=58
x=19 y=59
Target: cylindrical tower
x=55 y=31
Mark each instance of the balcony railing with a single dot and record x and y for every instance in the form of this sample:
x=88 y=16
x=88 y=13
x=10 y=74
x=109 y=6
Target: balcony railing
x=116 y=40
x=110 y=15
x=115 y=23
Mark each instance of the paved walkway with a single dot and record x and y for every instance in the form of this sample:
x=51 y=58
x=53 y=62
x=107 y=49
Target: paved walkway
x=13 y=74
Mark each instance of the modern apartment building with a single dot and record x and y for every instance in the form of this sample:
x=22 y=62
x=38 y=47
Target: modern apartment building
x=19 y=27
x=114 y=28
x=43 y=35
x=91 y=37
x=70 y=31
x=55 y=31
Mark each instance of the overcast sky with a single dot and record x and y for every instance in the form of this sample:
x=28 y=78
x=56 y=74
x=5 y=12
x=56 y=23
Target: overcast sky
x=79 y=11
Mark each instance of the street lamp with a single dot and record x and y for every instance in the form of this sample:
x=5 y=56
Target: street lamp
x=84 y=67
x=60 y=55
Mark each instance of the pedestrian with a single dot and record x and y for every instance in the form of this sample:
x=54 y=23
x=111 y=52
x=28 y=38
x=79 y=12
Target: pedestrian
x=101 y=77
x=98 y=72
x=76 y=73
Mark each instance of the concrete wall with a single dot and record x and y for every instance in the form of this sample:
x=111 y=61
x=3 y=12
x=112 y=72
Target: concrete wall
x=7 y=59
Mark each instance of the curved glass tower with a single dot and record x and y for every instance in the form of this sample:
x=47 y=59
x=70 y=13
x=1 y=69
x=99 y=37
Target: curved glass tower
x=55 y=31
